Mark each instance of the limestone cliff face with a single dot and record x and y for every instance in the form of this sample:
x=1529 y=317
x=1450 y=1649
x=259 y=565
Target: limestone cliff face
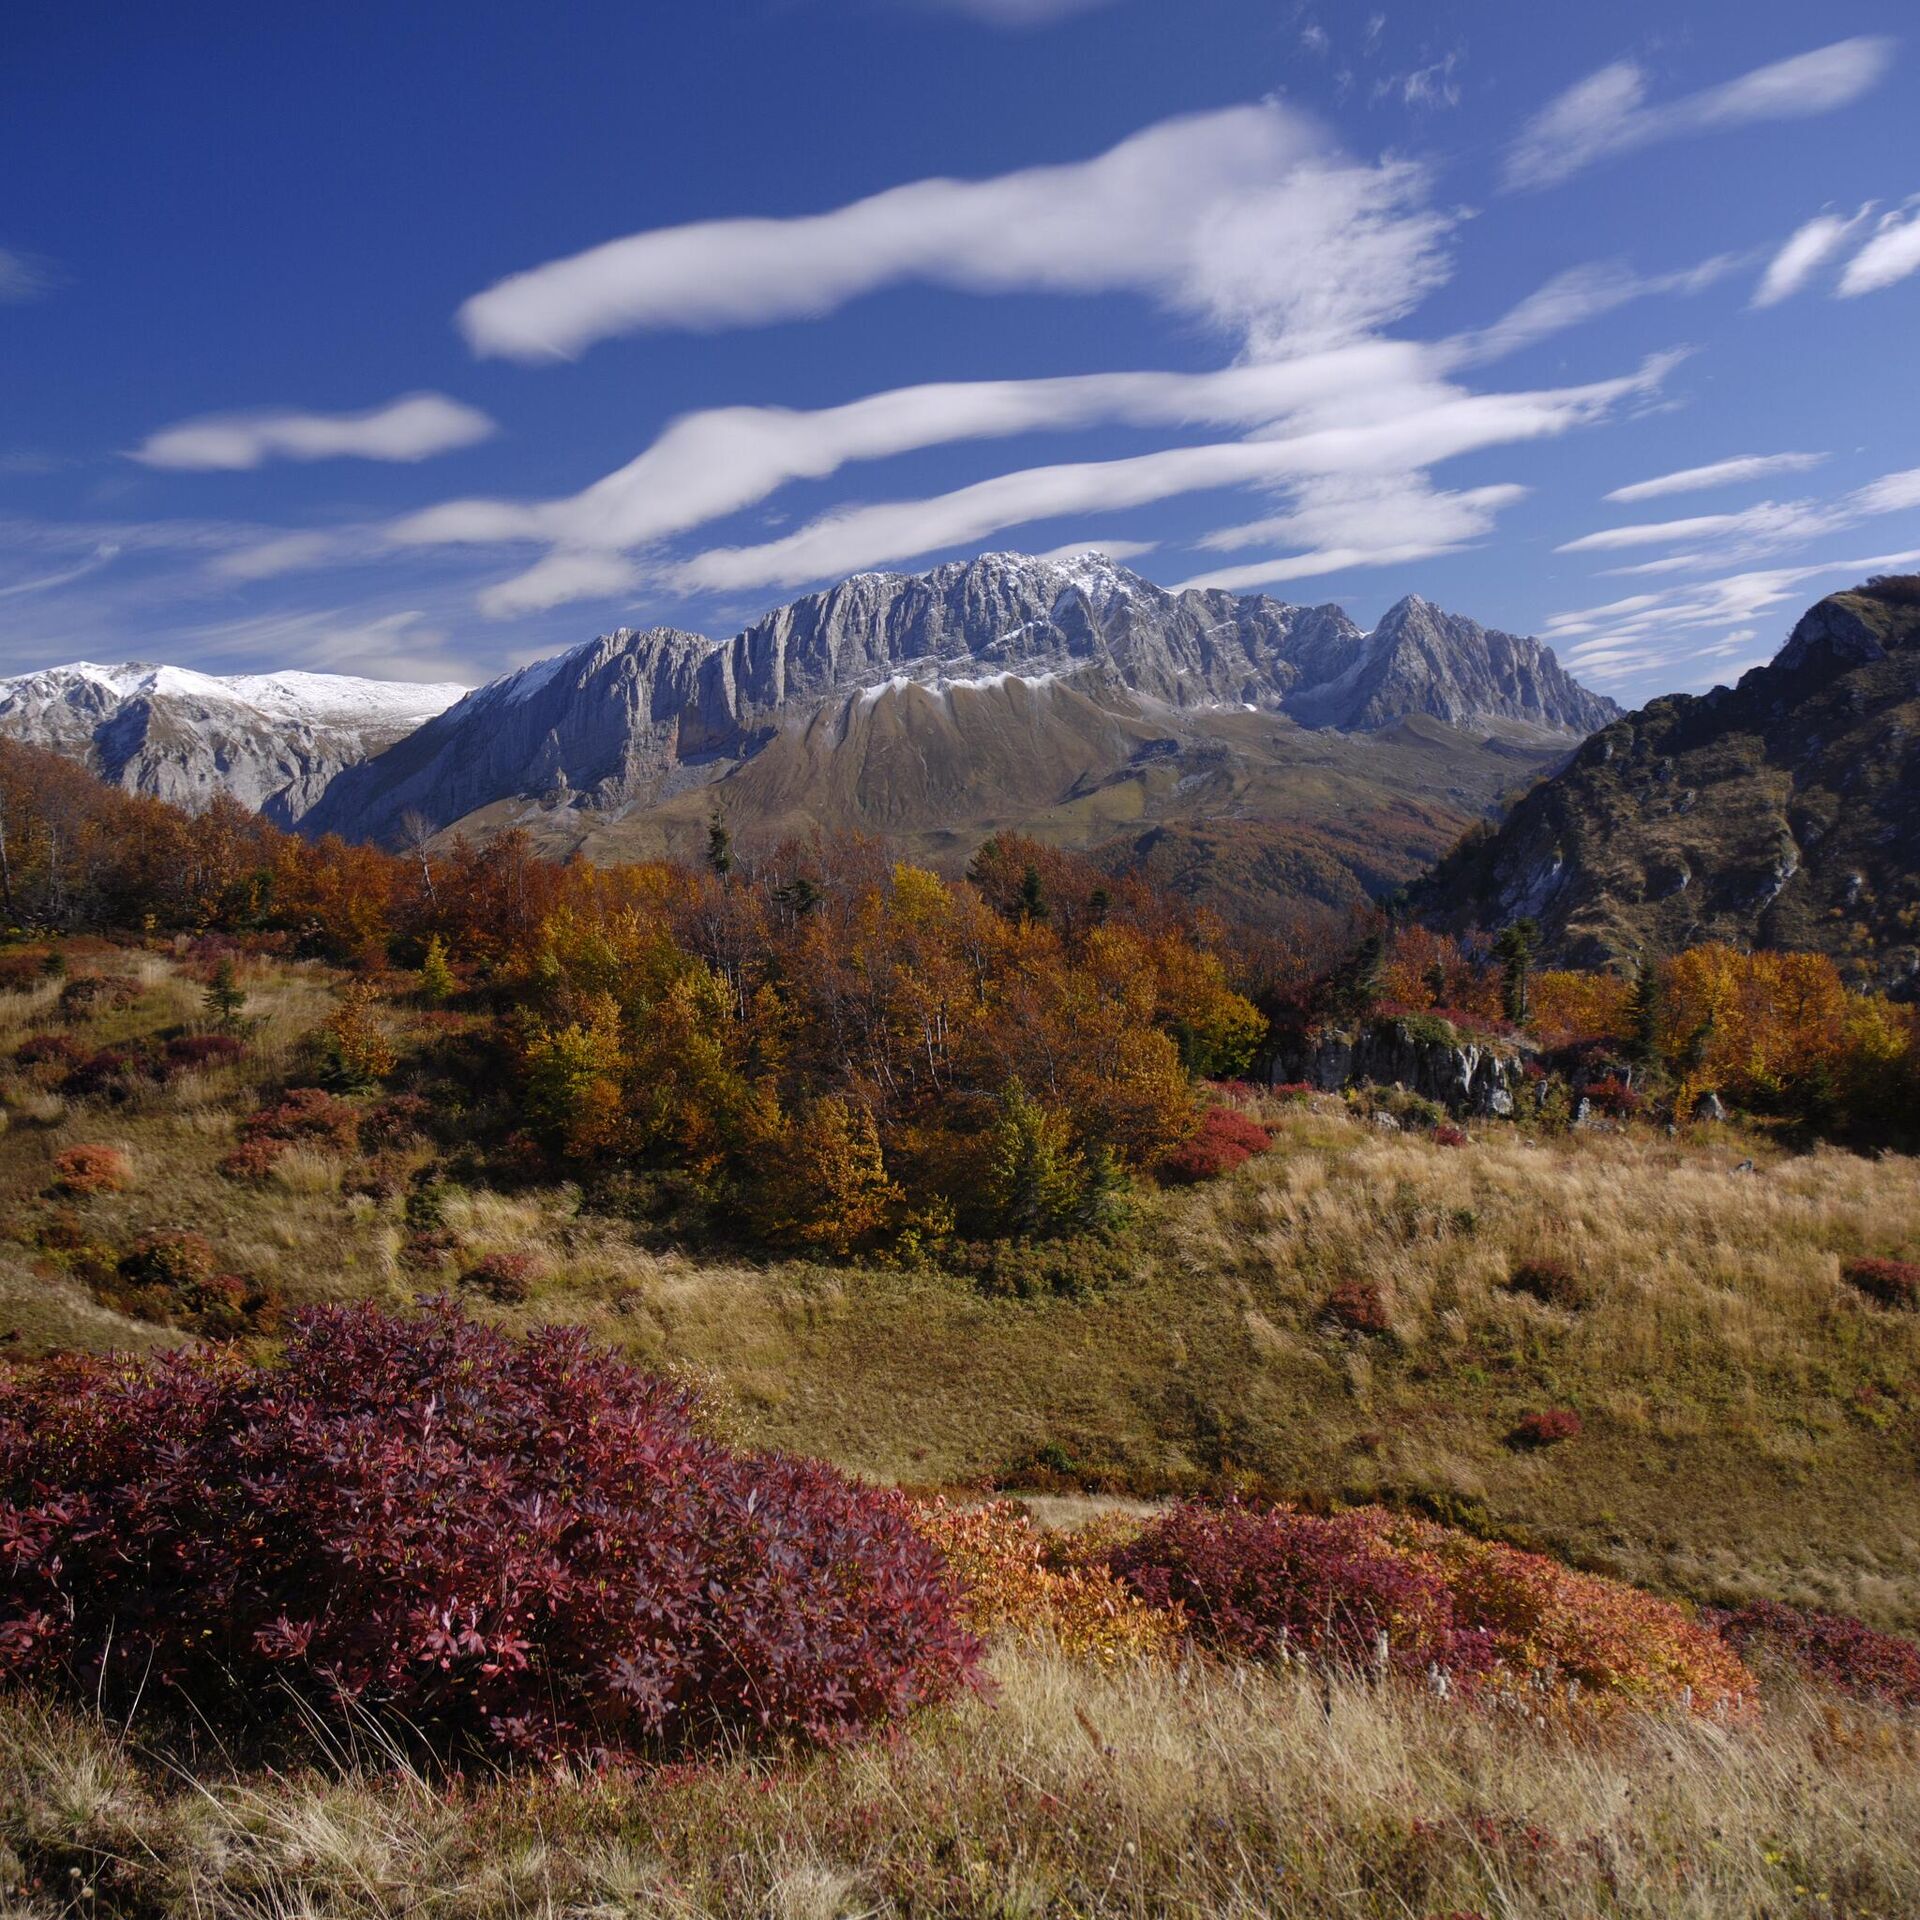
x=633 y=720
x=1781 y=812
x=274 y=742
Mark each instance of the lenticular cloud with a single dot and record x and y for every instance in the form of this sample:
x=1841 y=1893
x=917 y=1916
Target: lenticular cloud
x=1243 y=216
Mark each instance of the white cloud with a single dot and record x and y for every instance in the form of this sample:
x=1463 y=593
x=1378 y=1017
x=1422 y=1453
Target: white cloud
x=1244 y=217
x=1112 y=549
x=1806 y=251
x=1892 y=254
x=1362 y=520
x=1432 y=86
x=1393 y=438
x=1607 y=113
x=715 y=462
x=22 y=277
x=1580 y=294
x=412 y=428
x=563 y=576
x=1719 y=473
x=1770 y=525
x=1653 y=633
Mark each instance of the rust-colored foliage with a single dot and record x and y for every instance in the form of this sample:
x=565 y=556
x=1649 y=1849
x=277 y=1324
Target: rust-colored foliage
x=1012 y=1585
x=91 y=1169
x=1226 y=1141
x=1893 y=1283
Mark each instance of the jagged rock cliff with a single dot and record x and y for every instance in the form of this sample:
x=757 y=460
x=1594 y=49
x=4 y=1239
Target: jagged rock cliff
x=1782 y=812
x=273 y=741
x=1107 y=667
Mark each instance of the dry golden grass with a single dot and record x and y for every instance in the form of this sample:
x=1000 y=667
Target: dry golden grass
x=1152 y=1790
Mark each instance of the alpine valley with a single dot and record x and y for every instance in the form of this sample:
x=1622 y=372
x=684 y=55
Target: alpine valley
x=1234 y=748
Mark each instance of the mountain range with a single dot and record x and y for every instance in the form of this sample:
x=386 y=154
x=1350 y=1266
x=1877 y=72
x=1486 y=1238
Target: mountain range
x=1220 y=740
x=1781 y=812
x=273 y=741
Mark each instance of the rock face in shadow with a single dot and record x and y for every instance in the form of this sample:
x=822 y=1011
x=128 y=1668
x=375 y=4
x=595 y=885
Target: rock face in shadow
x=1107 y=663
x=1781 y=812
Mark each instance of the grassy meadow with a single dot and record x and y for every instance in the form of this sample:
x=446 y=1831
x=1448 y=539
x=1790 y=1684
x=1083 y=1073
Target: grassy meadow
x=1750 y=1428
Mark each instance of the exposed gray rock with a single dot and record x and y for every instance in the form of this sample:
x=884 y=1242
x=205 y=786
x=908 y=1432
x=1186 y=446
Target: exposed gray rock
x=634 y=717
x=1709 y=1107
x=274 y=742
x=1465 y=1076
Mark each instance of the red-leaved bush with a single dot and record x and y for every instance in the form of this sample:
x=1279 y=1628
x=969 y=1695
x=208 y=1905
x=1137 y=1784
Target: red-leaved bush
x=522 y=1548
x=1546 y=1428
x=1448 y=1135
x=1359 y=1306
x=507 y=1278
x=1832 y=1647
x=195 y=1052
x=1227 y=1138
x=1894 y=1283
x=89 y=1169
x=1367 y=1586
x=305 y=1116
x=1268 y=1584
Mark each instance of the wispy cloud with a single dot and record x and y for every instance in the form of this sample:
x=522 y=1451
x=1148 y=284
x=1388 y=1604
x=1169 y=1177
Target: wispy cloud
x=1608 y=113
x=1807 y=250
x=1244 y=217
x=1397 y=441
x=1651 y=633
x=22 y=277
x=1719 y=473
x=1765 y=528
x=413 y=428
x=1578 y=295
x=1892 y=254
x=1349 y=521
x=709 y=464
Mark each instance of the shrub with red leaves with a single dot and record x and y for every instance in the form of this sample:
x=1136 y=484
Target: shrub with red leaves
x=1447 y=1135
x=522 y=1549
x=57 y=1051
x=1359 y=1307
x=504 y=1277
x=1266 y=1584
x=1613 y=1095
x=1894 y=1283
x=1546 y=1428
x=305 y=1116
x=1227 y=1139
x=88 y=1169
x=397 y=1121
x=114 y=1073
x=195 y=1052
x=1552 y=1282
x=21 y=972
x=1834 y=1648
x=1293 y=1090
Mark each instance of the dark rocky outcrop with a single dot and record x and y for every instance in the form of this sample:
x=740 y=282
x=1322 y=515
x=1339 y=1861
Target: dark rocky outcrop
x=1781 y=812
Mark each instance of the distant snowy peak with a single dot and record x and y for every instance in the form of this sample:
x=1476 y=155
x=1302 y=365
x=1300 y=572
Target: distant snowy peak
x=271 y=740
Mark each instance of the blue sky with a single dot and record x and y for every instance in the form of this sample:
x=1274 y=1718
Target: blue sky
x=425 y=340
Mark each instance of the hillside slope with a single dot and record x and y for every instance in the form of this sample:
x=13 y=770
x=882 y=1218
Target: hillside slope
x=1782 y=812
